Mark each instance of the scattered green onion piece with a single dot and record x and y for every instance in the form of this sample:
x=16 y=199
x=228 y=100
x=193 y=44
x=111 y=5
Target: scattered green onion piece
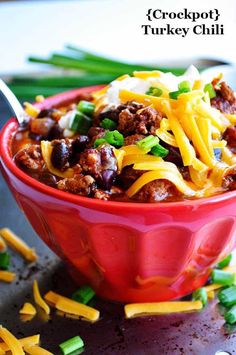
x=201 y=295
x=184 y=85
x=81 y=123
x=223 y=277
x=98 y=142
x=86 y=107
x=159 y=151
x=70 y=345
x=230 y=316
x=175 y=94
x=147 y=143
x=83 y=295
x=210 y=89
x=228 y=296
x=154 y=91
x=225 y=262
x=108 y=124
x=114 y=138
x=4 y=261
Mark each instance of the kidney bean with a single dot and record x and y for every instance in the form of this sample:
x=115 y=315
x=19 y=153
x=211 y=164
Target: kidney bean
x=60 y=155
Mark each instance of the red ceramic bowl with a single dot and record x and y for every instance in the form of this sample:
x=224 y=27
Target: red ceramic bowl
x=129 y=252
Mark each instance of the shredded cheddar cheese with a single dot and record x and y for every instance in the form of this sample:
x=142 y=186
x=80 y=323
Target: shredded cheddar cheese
x=3 y=245
x=189 y=123
x=7 y=276
x=67 y=305
x=36 y=350
x=38 y=299
x=18 y=244
x=11 y=341
x=28 y=309
x=27 y=341
x=155 y=308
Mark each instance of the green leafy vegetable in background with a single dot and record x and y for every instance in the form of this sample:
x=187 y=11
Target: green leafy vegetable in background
x=81 y=68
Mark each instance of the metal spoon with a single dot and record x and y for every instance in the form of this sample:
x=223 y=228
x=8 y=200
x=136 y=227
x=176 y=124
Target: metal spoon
x=12 y=101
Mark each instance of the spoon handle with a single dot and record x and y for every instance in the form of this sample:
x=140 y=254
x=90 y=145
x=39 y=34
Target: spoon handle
x=12 y=101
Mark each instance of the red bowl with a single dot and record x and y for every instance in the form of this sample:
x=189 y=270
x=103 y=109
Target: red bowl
x=129 y=252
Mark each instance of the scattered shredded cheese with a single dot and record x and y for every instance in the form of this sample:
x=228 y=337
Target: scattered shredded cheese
x=7 y=276
x=3 y=245
x=155 y=308
x=27 y=341
x=18 y=244
x=38 y=299
x=67 y=305
x=11 y=341
x=28 y=309
x=36 y=350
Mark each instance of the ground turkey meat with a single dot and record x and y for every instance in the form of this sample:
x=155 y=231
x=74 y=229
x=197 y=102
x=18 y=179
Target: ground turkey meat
x=30 y=159
x=157 y=190
x=79 y=184
x=113 y=112
x=230 y=136
x=133 y=139
x=101 y=163
x=224 y=100
x=229 y=181
x=145 y=121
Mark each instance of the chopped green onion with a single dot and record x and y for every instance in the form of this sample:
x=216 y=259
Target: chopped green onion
x=114 y=138
x=223 y=277
x=147 y=143
x=159 y=151
x=184 y=85
x=225 y=262
x=99 y=141
x=230 y=316
x=153 y=91
x=210 y=89
x=83 y=295
x=70 y=345
x=4 y=261
x=81 y=123
x=175 y=94
x=108 y=124
x=228 y=296
x=86 y=107
x=201 y=295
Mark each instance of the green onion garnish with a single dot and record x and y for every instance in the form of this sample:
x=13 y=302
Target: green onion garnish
x=159 y=151
x=223 y=277
x=114 y=138
x=228 y=296
x=70 y=345
x=81 y=123
x=210 y=89
x=225 y=262
x=108 y=124
x=230 y=316
x=98 y=142
x=184 y=85
x=153 y=91
x=86 y=107
x=83 y=295
x=201 y=295
x=4 y=261
x=147 y=143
